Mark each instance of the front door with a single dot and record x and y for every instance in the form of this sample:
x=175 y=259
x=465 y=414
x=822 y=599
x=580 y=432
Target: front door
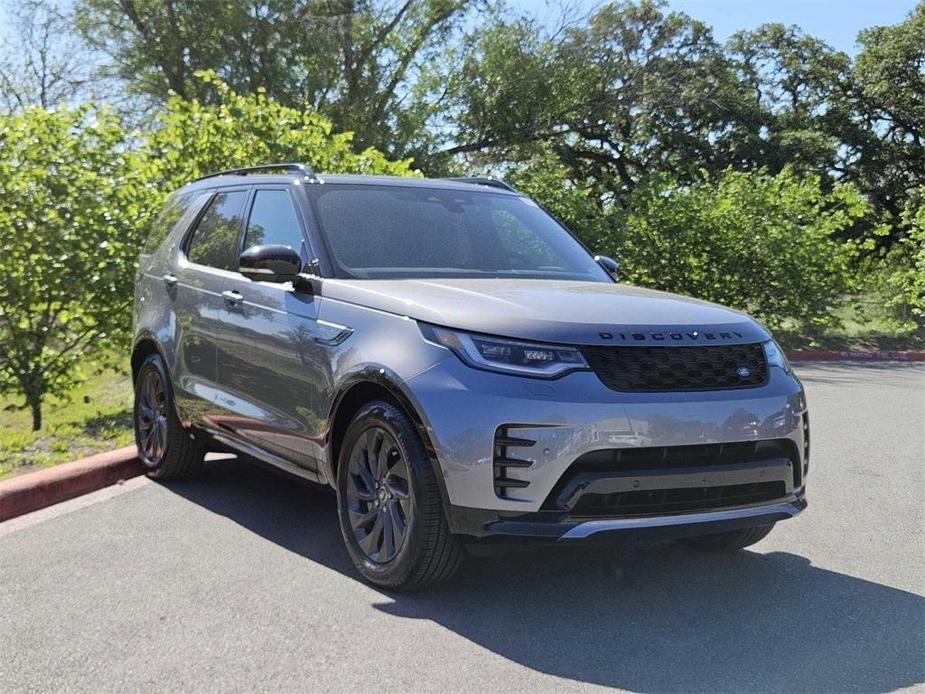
x=269 y=364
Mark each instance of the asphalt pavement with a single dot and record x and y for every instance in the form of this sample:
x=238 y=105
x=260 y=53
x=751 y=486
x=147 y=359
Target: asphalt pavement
x=237 y=581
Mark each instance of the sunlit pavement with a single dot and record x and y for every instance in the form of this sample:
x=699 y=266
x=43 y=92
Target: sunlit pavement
x=237 y=581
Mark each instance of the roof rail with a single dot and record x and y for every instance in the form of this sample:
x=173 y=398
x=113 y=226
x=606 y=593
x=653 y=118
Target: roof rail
x=484 y=181
x=288 y=167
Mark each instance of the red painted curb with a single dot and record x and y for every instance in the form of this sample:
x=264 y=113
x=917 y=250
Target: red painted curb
x=36 y=490
x=856 y=356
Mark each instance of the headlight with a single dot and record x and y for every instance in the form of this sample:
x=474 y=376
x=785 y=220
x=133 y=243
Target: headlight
x=775 y=356
x=507 y=356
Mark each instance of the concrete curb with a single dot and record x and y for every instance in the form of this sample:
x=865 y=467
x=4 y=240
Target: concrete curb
x=856 y=356
x=36 y=490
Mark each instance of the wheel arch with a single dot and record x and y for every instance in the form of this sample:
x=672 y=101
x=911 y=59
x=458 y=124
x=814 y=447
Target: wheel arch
x=145 y=345
x=363 y=387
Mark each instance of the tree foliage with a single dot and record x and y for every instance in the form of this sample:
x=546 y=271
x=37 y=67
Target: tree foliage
x=631 y=91
x=761 y=243
x=766 y=244
x=68 y=215
x=885 y=129
x=353 y=61
x=905 y=262
x=77 y=194
x=189 y=139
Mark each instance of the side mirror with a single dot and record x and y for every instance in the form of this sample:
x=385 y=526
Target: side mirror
x=270 y=264
x=611 y=266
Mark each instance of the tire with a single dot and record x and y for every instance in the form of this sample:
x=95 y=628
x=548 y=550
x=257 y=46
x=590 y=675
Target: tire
x=730 y=541
x=165 y=448
x=392 y=486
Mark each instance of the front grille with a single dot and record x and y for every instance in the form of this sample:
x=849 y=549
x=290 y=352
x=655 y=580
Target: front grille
x=663 y=501
x=663 y=369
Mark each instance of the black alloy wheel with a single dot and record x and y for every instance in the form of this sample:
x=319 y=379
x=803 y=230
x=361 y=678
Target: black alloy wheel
x=152 y=417
x=379 y=501
x=166 y=448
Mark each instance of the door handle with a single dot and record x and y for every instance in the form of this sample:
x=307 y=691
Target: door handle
x=170 y=280
x=232 y=296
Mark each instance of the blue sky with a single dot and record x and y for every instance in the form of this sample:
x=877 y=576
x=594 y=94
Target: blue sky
x=837 y=22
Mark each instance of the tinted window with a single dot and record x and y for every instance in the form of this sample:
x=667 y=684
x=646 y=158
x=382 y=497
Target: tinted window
x=167 y=219
x=399 y=232
x=273 y=221
x=215 y=240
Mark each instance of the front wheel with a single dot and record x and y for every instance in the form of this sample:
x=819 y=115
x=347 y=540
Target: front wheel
x=164 y=447
x=730 y=541
x=388 y=502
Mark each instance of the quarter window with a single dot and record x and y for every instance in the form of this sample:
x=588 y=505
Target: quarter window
x=273 y=221
x=168 y=218
x=215 y=240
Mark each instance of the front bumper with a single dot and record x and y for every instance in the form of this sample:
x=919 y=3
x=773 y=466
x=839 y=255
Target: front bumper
x=545 y=527
x=553 y=424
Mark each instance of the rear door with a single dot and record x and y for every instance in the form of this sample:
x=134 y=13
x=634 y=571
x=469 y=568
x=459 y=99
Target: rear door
x=269 y=363
x=205 y=263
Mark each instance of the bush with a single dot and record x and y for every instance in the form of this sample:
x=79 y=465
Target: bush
x=760 y=243
x=68 y=230
x=906 y=261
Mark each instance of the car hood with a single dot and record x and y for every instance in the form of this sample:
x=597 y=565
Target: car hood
x=554 y=311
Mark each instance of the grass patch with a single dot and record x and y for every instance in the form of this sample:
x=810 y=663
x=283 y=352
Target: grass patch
x=96 y=416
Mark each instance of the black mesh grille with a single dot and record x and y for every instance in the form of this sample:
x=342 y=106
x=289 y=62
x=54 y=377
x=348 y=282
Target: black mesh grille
x=660 y=369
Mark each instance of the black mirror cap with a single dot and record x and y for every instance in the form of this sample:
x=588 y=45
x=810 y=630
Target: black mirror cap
x=270 y=263
x=611 y=266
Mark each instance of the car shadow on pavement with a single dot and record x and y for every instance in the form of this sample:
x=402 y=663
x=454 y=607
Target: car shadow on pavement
x=637 y=616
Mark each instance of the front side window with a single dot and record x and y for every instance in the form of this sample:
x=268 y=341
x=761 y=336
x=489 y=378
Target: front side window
x=273 y=221
x=398 y=232
x=215 y=239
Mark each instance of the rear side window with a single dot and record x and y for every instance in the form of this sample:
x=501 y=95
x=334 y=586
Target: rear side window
x=215 y=239
x=273 y=221
x=167 y=219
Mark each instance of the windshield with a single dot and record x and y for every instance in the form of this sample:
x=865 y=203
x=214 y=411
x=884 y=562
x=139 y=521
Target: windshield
x=398 y=232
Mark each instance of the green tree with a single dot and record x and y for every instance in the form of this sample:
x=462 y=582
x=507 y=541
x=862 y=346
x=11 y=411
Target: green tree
x=354 y=61
x=633 y=90
x=905 y=263
x=789 y=113
x=885 y=136
x=190 y=139
x=69 y=236
x=760 y=243
x=76 y=201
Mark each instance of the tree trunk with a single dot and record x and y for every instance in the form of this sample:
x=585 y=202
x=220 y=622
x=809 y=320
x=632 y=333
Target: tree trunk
x=36 y=407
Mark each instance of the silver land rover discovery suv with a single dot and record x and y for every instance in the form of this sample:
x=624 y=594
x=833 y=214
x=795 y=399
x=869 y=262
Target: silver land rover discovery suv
x=457 y=366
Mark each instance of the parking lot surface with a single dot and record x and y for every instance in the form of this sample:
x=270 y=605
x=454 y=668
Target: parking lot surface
x=237 y=581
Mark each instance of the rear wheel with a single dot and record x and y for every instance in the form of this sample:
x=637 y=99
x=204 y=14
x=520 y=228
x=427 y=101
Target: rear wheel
x=730 y=541
x=164 y=447
x=388 y=501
